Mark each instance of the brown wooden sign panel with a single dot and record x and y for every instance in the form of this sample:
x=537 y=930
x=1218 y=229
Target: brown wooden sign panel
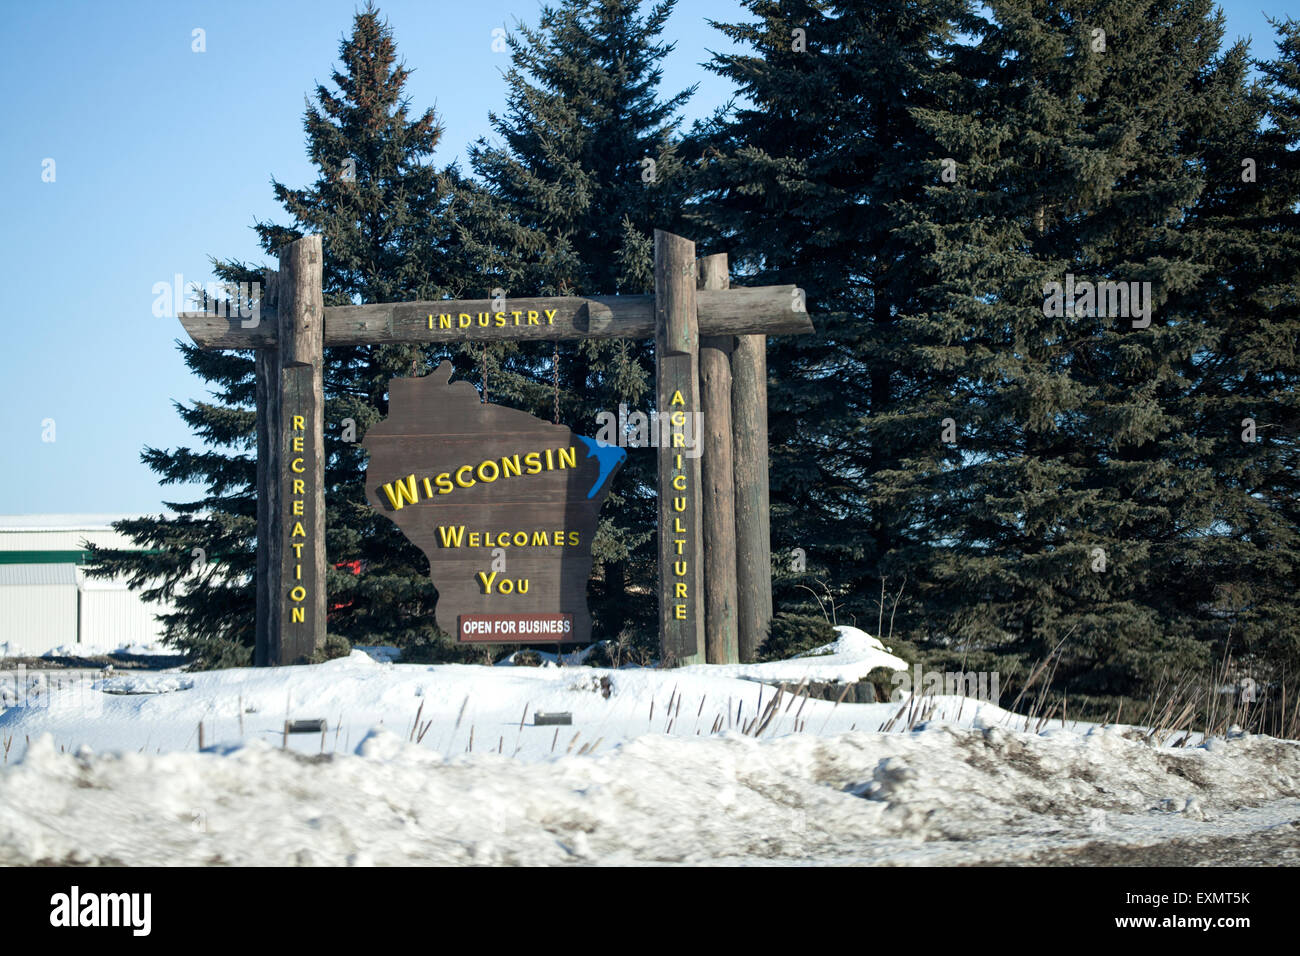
x=504 y=505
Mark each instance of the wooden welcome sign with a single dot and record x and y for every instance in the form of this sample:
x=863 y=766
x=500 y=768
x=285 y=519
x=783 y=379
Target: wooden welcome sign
x=463 y=479
x=503 y=504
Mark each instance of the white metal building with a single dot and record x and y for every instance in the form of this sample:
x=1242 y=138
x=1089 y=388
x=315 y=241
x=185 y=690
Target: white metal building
x=47 y=602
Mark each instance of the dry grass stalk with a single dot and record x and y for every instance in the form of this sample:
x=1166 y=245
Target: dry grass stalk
x=838 y=700
x=803 y=684
x=415 y=726
x=806 y=693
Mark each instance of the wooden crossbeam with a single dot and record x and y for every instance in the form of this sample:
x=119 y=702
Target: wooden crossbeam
x=763 y=310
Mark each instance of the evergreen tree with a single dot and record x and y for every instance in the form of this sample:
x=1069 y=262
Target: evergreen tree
x=925 y=192
x=1082 y=133
x=1277 y=635
x=810 y=180
x=384 y=216
x=583 y=169
x=1244 y=403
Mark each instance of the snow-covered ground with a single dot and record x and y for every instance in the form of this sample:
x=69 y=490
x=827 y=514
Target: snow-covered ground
x=443 y=764
x=459 y=707
x=852 y=656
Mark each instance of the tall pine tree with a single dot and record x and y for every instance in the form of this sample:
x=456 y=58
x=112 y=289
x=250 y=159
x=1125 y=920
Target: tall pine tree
x=383 y=212
x=1082 y=134
x=582 y=169
x=810 y=179
x=1244 y=402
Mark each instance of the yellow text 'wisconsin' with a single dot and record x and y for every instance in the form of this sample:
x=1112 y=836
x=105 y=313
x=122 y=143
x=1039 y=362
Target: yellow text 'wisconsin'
x=409 y=490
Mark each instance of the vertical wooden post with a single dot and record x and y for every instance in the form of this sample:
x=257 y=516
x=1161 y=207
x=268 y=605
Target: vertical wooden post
x=749 y=444
x=677 y=391
x=295 y=559
x=268 y=490
x=720 y=633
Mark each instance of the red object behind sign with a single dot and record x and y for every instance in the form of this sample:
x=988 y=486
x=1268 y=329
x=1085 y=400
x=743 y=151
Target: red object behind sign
x=355 y=568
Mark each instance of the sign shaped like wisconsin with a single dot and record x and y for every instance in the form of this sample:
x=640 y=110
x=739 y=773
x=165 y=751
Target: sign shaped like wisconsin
x=504 y=505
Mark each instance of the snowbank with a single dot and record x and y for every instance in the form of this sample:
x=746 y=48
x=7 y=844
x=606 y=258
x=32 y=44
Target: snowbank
x=154 y=649
x=161 y=711
x=939 y=795
x=852 y=656
x=443 y=764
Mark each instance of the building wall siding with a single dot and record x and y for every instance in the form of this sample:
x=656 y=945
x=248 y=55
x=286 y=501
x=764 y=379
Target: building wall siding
x=46 y=602
x=116 y=617
x=35 y=618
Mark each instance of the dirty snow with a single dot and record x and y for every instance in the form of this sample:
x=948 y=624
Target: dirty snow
x=938 y=795
x=441 y=764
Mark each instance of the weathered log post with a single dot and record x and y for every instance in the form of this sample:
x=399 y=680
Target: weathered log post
x=720 y=623
x=267 y=378
x=677 y=376
x=749 y=444
x=291 y=482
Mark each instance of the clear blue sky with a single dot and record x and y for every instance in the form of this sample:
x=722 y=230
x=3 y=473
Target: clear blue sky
x=163 y=157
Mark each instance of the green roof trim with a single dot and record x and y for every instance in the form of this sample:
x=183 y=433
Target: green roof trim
x=52 y=557
x=44 y=557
